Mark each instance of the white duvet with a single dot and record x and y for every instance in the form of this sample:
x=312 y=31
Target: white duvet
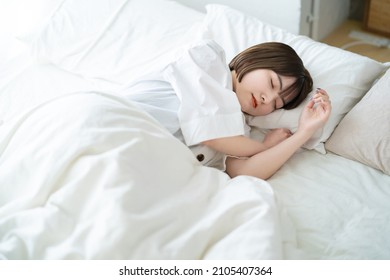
x=87 y=175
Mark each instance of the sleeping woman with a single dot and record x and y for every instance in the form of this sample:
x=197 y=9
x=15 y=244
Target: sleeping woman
x=202 y=100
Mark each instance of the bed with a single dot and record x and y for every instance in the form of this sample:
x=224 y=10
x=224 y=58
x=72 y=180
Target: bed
x=85 y=174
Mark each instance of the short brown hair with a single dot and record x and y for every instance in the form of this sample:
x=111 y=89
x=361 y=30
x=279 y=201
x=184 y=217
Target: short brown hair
x=283 y=60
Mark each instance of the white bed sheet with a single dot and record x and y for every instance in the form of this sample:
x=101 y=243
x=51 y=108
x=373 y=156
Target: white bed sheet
x=339 y=208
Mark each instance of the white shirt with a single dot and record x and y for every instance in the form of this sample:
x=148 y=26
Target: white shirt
x=193 y=98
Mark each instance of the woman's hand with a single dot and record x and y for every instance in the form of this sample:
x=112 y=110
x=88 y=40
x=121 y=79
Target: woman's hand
x=316 y=113
x=264 y=164
x=275 y=136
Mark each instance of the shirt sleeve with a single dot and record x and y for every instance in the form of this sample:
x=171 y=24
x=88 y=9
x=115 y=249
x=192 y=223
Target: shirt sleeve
x=209 y=108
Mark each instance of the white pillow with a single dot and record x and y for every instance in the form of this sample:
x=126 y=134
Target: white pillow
x=346 y=76
x=115 y=41
x=23 y=19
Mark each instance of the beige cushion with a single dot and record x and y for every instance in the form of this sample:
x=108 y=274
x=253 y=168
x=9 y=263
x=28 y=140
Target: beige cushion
x=364 y=134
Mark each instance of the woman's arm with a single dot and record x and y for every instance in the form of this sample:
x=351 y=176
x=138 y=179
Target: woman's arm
x=241 y=146
x=264 y=164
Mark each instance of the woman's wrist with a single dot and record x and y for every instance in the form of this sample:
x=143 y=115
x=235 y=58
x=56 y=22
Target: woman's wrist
x=303 y=135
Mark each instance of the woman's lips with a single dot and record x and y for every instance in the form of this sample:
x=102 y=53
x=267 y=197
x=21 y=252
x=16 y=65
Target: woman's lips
x=254 y=102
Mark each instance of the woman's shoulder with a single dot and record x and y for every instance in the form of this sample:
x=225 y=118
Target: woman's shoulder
x=207 y=45
x=205 y=52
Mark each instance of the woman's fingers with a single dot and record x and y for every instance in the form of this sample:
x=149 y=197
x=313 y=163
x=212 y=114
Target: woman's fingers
x=320 y=96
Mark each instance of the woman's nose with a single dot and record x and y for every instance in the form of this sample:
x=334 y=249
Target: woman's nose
x=266 y=98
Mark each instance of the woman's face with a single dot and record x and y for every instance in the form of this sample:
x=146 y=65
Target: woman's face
x=259 y=91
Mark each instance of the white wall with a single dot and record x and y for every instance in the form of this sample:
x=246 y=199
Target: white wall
x=283 y=13
x=313 y=18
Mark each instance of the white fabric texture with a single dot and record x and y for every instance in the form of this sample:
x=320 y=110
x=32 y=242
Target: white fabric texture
x=115 y=41
x=157 y=97
x=339 y=208
x=89 y=176
x=24 y=19
x=209 y=108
